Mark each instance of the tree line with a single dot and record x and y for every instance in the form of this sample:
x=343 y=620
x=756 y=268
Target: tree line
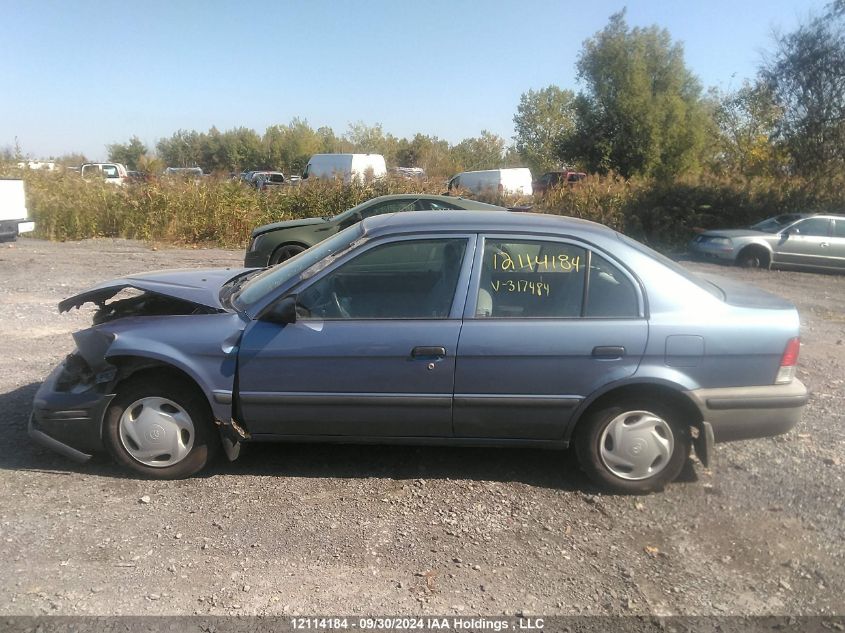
x=641 y=112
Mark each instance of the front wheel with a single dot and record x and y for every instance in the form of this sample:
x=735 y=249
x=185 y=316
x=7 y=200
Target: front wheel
x=286 y=252
x=160 y=429
x=632 y=446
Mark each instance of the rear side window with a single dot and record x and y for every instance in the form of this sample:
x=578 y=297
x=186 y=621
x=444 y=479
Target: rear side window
x=531 y=279
x=839 y=228
x=544 y=279
x=610 y=294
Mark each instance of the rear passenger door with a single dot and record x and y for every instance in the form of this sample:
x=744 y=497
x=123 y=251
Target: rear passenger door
x=806 y=243
x=547 y=322
x=837 y=244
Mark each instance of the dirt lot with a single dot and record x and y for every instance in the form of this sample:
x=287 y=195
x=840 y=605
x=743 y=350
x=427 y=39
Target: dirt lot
x=397 y=530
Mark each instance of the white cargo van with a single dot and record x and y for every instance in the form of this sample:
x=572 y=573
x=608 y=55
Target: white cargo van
x=516 y=180
x=13 y=216
x=349 y=167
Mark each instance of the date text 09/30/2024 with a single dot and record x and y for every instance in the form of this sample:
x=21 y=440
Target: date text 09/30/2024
x=428 y=623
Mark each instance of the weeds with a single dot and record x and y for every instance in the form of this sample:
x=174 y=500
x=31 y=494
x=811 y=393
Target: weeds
x=223 y=212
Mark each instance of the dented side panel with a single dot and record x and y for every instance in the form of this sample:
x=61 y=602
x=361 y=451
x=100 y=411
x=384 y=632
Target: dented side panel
x=205 y=347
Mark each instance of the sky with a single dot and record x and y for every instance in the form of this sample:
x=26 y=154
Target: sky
x=76 y=75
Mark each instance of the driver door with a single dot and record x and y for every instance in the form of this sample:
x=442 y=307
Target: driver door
x=372 y=352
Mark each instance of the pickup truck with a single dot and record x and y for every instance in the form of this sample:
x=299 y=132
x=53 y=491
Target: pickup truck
x=13 y=215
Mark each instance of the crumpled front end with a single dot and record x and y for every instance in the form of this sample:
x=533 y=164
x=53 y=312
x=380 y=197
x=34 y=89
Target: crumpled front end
x=67 y=413
x=149 y=325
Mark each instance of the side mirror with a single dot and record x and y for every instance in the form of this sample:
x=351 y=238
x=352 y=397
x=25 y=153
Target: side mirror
x=282 y=312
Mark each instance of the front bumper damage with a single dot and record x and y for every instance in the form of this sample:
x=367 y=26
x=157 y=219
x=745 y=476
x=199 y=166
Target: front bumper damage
x=69 y=422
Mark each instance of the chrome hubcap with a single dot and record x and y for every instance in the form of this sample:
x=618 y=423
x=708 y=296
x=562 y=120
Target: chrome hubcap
x=636 y=445
x=156 y=431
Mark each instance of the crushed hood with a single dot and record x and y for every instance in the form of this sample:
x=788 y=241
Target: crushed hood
x=288 y=224
x=201 y=287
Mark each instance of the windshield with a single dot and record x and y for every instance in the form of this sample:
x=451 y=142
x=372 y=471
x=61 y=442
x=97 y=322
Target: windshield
x=276 y=276
x=775 y=224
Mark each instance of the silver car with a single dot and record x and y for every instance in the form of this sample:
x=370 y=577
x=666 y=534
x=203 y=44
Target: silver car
x=791 y=239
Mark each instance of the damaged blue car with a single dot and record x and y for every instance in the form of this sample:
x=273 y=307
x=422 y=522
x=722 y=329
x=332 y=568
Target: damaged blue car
x=468 y=328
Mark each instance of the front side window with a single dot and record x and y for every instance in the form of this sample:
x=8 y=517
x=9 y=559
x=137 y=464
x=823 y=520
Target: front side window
x=815 y=227
x=531 y=279
x=411 y=279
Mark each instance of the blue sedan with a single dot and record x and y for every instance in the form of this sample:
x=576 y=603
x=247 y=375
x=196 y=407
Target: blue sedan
x=467 y=328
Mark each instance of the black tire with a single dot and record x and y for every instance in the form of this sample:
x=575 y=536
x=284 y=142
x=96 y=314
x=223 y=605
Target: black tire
x=283 y=253
x=753 y=258
x=588 y=446
x=204 y=440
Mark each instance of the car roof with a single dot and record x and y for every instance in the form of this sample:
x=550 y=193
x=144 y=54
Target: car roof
x=439 y=198
x=474 y=221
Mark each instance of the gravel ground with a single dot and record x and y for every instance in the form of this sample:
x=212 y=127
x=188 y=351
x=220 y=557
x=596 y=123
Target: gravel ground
x=388 y=530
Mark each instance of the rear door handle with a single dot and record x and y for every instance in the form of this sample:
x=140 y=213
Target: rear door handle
x=609 y=351
x=428 y=352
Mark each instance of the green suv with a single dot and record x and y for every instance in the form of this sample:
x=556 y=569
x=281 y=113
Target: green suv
x=274 y=243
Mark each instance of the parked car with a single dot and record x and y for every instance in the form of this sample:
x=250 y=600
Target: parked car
x=348 y=167
x=277 y=242
x=186 y=173
x=263 y=180
x=515 y=181
x=552 y=179
x=791 y=239
x=112 y=173
x=14 y=218
x=466 y=328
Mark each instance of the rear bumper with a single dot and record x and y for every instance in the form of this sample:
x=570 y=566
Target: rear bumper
x=739 y=413
x=68 y=423
x=705 y=250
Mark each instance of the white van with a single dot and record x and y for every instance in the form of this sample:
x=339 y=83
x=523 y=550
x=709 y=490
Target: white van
x=14 y=219
x=347 y=166
x=516 y=180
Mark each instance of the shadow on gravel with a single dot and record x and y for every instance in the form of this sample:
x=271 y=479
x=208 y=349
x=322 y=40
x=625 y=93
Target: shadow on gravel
x=541 y=468
x=547 y=469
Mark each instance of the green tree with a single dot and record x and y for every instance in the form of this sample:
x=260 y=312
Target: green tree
x=127 y=153
x=747 y=120
x=290 y=146
x=642 y=111
x=182 y=149
x=543 y=120
x=806 y=76
x=479 y=152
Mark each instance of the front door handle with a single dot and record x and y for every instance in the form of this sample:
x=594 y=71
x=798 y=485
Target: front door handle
x=609 y=351
x=428 y=352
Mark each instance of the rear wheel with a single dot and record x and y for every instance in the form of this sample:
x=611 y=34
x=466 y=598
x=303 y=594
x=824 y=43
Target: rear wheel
x=284 y=253
x=632 y=446
x=160 y=428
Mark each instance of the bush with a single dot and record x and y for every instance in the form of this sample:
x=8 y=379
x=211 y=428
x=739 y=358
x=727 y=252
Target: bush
x=223 y=212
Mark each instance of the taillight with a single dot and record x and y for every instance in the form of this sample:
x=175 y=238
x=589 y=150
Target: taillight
x=788 y=361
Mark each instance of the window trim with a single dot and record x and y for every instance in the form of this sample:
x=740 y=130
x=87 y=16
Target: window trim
x=458 y=299
x=475 y=280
